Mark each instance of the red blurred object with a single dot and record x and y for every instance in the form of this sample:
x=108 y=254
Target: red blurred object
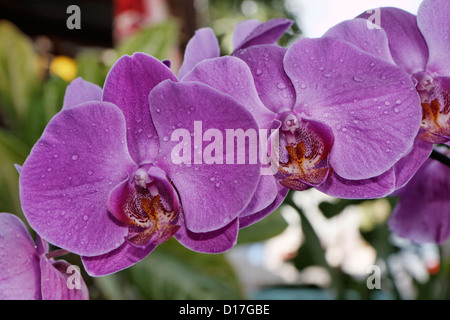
x=133 y=15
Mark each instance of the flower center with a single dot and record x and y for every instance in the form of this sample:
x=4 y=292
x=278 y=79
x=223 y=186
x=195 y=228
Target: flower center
x=148 y=204
x=304 y=148
x=435 y=101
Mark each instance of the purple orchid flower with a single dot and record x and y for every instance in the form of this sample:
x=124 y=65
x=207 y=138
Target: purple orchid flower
x=345 y=117
x=420 y=46
x=29 y=271
x=101 y=181
x=203 y=46
x=422 y=213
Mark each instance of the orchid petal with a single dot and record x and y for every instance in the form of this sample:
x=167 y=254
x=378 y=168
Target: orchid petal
x=274 y=87
x=213 y=194
x=127 y=85
x=433 y=19
x=203 y=45
x=232 y=76
x=370 y=105
x=121 y=258
x=407 y=44
x=66 y=180
x=79 y=91
x=265 y=33
x=356 y=31
x=423 y=209
x=56 y=284
x=19 y=262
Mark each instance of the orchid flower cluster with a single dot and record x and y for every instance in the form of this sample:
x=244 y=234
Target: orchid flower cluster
x=215 y=148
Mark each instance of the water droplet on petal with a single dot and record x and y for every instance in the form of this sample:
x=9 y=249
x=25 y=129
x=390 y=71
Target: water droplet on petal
x=49 y=169
x=396 y=110
x=85 y=217
x=281 y=86
x=75 y=157
x=166 y=138
x=90 y=172
x=212 y=179
x=327 y=75
x=387 y=103
x=218 y=184
x=344 y=129
x=303 y=86
x=398 y=101
x=357 y=79
x=258 y=72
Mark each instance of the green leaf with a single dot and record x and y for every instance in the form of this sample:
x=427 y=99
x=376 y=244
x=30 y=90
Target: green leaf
x=174 y=272
x=12 y=151
x=269 y=227
x=19 y=71
x=156 y=41
x=91 y=68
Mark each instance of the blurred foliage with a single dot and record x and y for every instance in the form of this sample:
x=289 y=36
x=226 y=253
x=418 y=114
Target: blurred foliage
x=222 y=16
x=31 y=94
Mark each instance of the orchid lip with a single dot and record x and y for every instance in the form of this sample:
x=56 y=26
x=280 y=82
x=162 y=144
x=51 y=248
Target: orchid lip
x=144 y=203
x=435 y=108
x=304 y=153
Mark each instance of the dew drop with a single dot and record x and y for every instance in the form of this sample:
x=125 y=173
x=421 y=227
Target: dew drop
x=49 y=169
x=90 y=172
x=281 y=86
x=303 y=86
x=344 y=129
x=85 y=218
x=356 y=121
x=258 y=72
x=56 y=155
x=387 y=103
x=357 y=79
x=158 y=110
x=75 y=157
x=396 y=110
x=327 y=75
x=218 y=184
x=372 y=64
x=398 y=101
x=179 y=125
x=212 y=179
x=166 y=138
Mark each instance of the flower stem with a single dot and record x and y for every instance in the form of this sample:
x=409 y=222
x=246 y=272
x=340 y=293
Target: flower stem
x=436 y=155
x=56 y=253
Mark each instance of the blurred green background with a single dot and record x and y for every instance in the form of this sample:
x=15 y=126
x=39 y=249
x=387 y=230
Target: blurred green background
x=312 y=247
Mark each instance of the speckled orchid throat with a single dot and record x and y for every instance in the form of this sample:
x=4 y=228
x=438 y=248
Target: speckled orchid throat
x=148 y=204
x=435 y=100
x=304 y=148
